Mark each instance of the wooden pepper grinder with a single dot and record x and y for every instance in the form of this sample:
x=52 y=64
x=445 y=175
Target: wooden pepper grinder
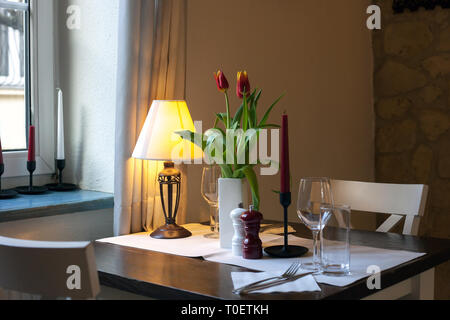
x=252 y=243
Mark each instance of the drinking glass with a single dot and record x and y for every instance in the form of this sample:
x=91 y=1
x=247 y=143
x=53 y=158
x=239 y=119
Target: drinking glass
x=210 y=192
x=313 y=194
x=335 y=240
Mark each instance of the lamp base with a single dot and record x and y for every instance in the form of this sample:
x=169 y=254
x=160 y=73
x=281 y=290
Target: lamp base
x=170 y=231
x=286 y=252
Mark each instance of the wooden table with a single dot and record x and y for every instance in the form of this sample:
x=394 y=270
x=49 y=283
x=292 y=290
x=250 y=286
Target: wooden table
x=164 y=276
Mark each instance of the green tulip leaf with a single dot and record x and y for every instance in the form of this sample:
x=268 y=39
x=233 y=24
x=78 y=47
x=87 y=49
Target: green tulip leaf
x=253 y=182
x=238 y=116
x=195 y=138
x=266 y=116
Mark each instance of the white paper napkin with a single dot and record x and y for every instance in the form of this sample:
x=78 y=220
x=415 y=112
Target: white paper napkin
x=305 y=284
x=198 y=245
x=362 y=258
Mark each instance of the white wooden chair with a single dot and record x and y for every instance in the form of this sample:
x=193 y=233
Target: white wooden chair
x=400 y=201
x=49 y=270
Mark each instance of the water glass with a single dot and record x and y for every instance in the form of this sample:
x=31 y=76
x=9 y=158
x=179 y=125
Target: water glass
x=335 y=239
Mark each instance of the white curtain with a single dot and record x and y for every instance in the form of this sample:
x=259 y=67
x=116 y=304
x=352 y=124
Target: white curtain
x=151 y=66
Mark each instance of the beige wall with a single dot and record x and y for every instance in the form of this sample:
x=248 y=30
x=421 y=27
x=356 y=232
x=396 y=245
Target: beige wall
x=87 y=75
x=319 y=52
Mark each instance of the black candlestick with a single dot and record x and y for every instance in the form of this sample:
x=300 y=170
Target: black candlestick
x=5 y=194
x=286 y=251
x=31 y=189
x=60 y=186
x=31 y=167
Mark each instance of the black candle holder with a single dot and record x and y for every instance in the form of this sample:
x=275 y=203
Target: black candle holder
x=286 y=251
x=30 y=189
x=5 y=194
x=60 y=186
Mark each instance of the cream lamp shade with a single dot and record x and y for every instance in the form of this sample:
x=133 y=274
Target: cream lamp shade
x=158 y=139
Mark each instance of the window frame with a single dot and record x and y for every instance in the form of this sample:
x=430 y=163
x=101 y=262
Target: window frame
x=42 y=92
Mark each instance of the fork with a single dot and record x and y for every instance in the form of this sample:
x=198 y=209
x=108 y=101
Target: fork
x=276 y=283
x=289 y=273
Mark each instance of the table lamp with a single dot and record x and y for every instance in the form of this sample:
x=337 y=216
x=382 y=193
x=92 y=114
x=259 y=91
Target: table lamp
x=158 y=141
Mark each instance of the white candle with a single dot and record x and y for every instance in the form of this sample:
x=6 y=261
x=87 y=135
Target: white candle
x=60 y=137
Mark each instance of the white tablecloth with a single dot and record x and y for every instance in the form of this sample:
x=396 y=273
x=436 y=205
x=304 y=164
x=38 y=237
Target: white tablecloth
x=361 y=259
x=201 y=245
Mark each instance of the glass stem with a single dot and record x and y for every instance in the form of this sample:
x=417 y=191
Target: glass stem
x=214 y=222
x=316 y=248
x=216 y=225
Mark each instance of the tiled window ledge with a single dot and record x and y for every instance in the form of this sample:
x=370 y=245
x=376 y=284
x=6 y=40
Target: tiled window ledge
x=53 y=203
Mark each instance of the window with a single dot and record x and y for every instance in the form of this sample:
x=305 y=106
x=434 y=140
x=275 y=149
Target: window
x=26 y=94
x=14 y=53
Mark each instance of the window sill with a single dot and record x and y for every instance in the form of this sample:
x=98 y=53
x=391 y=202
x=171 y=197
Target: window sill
x=53 y=203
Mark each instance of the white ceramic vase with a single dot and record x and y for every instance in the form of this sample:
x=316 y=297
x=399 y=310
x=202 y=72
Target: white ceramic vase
x=232 y=192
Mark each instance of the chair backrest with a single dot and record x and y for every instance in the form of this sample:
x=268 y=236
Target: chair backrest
x=49 y=269
x=399 y=200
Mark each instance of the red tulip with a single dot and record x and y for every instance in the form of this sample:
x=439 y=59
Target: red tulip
x=221 y=80
x=243 y=84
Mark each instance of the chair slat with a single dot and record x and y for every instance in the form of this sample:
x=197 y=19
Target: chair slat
x=390 y=223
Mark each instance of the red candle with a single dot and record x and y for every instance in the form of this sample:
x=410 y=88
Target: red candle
x=285 y=170
x=31 y=144
x=1 y=152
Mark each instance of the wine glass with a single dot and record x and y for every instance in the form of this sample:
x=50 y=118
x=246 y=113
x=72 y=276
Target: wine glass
x=210 y=192
x=313 y=194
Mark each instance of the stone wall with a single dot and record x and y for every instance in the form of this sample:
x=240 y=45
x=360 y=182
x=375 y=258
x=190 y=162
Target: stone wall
x=412 y=102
